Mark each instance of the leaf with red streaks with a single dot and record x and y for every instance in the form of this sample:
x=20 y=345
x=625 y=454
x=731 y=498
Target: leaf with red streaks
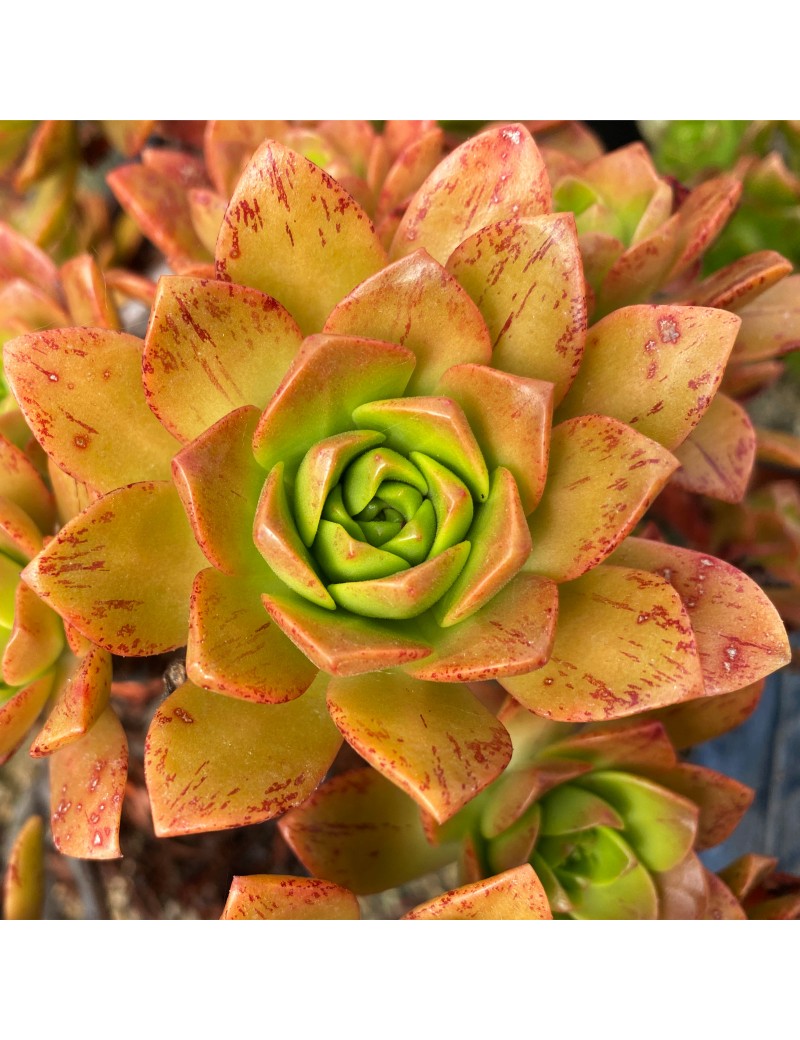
x=526 y=278
x=655 y=368
x=23 y=884
x=493 y=176
x=280 y=897
x=718 y=455
x=291 y=231
x=213 y=762
x=154 y=193
x=602 y=475
x=740 y=284
x=87 y=785
x=435 y=741
x=417 y=304
x=63 y=381
x=515 y=895
x=219 y=483
x=623 y=644
x=740 y=636
x=363 y=832
x=81 y=701
x=234 y=646
x=19 y=711
x=104 y=572
x=212 y=347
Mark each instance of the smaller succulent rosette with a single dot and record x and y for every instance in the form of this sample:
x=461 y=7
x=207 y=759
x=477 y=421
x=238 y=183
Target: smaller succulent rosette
x=607 y=815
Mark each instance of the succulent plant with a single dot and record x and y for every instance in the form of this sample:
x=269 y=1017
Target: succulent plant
x=752 y=887
x=332 y=474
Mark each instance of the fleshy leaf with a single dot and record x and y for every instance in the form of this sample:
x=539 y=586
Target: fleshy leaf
x=510 y=417
x=741 y=283
x=235 y=648
x=516 y=895
x=293 y=232
x=511 y=635
x=493 y=176
x=526 y=278
x=63 y=381
x=362 y=831
x=342 y=644
x=633 y=744
x=87 y=784
x=23 y=885
x=451 y=747
x=228 y=144
x=655 y=368
x=89 y=301
x=276 y=897
x=740 y=637
x=717 y=457
x=19 y=712
x=36 y=639
x=417 y=304
x=81 y=701
x=212 y=347
x=22 y=259
x=633 y=896
x=722 y=904
x=104 y=572
x=623 y=644
x=770 y=323
x=219 y=483
x=21 y=484
x=329 y=378
x=213 y=762
x=602 y=475
x=683 y=891
x=696 y=721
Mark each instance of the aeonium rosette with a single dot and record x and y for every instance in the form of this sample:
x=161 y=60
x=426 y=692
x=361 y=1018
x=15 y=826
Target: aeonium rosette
x=332 y=474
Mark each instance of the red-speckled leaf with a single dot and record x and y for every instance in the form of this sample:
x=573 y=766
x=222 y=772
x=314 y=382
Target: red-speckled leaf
x=362 y=831
x=293 y=232
x=655 y=368
x=602 y=475
x=633 y=744
x=493 y=176
x=511 y=635
x=88 y=298
x=23 y=884
x=436 y=742
x=702 y=216
x=87 y=785
x=692 y=723
x=623 y=644
x=409 y=170
x=81 y=701
x=212 y=762
x=219 y=482
x=21 y=483
x=717 y=457
x=777 y=448
x=36 y=640
x=683 y=891
x=229 y=143
x=105 y=571
x=20 y=258
x=64 y=382
x=740 y=283
x=510 y=417
x=515 y=895
x=18 y=713
x=280 y=897
x=740 y=636
x=722 y=801
x=417 y=304
x=212 y=347
x=329 y=378
x=156 y=197
x=235 y=648
x=343 y=644
x=517 y=789
x=526 y=278
x=770 y=323
x=722 y=903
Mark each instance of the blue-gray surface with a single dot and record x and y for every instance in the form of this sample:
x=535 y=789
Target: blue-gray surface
x=765 y=754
